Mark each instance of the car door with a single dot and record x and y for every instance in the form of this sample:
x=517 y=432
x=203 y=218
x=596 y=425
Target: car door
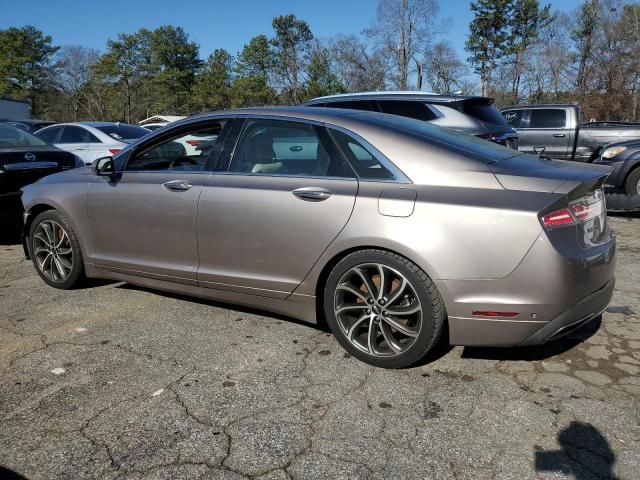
x=264 y=223
x=78 y=141
x=143 y=220
x=548 y=129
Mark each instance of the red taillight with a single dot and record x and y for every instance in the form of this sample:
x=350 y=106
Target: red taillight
x=558 y=218
x=114 y=150
x=195 y=143
x=581 y=210
x=585 y=211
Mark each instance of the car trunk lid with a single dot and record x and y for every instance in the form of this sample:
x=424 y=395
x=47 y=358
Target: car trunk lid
x=542 y=174
x=20 y=166
x=577 y=201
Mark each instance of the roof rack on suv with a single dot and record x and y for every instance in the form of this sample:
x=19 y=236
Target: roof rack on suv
x=384 y=92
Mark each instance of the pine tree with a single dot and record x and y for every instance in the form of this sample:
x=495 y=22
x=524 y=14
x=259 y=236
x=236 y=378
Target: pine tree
x=488 y=37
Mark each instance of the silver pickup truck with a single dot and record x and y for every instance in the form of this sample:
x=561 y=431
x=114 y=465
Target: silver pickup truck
x=558 y=131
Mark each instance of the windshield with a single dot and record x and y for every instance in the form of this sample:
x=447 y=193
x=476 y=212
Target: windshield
x=13 y=137
x=123 y=131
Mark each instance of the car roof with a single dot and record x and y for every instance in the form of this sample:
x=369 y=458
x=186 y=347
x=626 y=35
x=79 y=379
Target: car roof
x=105 y=124
x=321 y=114
x=395 y=95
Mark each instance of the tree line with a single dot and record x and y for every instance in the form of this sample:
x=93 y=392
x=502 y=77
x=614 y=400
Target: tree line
x=520 y=50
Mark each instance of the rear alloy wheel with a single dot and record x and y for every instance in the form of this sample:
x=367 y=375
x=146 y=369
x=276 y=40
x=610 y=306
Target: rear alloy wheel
x=632 y=185
x=55 y=250
x=383 y=309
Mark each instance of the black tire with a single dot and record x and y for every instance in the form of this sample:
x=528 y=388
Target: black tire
x=77 y=275
x=632 y=185
x=433 y=313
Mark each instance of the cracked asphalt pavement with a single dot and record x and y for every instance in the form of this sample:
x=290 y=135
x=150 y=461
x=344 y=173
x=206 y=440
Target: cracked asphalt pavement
x=115 y=381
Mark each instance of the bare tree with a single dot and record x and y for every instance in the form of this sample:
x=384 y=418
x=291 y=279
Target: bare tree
x=359 y=68
x=404 y=30
x=73 y=73
x=445 y=71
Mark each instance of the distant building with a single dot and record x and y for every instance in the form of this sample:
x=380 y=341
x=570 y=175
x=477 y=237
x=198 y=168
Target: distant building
x=14 y=109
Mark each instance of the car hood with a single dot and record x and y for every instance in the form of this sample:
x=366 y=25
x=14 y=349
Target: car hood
x=542 y=174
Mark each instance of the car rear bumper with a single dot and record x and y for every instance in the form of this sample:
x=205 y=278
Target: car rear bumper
x=582 y=312
x=551 y=294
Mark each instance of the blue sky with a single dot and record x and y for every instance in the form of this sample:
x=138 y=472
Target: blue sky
x=214 y=23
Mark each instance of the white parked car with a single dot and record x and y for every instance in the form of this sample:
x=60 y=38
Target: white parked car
x=91 y=140
x=193 y=144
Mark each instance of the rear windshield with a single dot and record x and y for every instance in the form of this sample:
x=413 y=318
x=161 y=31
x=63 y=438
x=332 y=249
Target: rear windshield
x=123 y=131
x=484 y=112
x=14 y=137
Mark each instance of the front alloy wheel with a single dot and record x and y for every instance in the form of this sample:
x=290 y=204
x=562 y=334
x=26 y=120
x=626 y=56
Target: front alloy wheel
x=55 y=250
x=52 y=251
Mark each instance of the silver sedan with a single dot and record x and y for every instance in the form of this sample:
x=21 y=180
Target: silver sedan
x=390 y=230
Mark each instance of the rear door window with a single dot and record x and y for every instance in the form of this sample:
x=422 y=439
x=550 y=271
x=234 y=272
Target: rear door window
x=286 y=148
x=547 y=118
x=72 y=134
x=514 y=117
x=411 y=109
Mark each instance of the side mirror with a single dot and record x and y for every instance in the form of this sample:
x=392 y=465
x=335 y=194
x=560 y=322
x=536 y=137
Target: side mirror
x=103 y=166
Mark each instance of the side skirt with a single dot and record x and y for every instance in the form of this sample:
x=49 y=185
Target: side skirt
x=300 y=307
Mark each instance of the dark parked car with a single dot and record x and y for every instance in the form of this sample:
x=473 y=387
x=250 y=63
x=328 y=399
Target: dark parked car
x=25 y=158
x=388 y=227
x=624 y=157
x=467 y=114
x=30 y=125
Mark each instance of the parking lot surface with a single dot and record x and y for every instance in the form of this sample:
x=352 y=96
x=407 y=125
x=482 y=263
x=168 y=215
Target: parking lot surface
x=114 y=381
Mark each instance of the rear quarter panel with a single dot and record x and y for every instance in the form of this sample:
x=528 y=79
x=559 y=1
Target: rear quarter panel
x=452 y=232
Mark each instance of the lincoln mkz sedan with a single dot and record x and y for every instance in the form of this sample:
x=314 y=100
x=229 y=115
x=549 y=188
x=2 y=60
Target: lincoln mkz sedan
x=391 y=230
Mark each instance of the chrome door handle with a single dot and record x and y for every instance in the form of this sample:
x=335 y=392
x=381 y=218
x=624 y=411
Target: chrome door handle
x=559 y=135
x=312 y=194
x=177 y=185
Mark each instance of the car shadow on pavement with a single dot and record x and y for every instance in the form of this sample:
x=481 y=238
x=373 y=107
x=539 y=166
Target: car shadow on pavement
x=7 y=474
x=584 y=454
x=536 y=352
x=441 y=349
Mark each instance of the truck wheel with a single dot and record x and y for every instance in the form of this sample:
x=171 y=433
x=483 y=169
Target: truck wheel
x=632 y=185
